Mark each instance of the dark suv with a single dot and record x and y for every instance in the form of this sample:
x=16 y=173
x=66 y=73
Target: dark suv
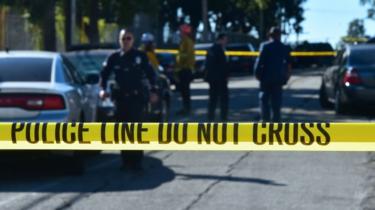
x=309 y=61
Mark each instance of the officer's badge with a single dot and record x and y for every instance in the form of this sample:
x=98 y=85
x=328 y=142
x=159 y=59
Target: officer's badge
x=138 y=60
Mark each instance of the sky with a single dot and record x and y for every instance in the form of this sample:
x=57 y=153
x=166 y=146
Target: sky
x=328 y=20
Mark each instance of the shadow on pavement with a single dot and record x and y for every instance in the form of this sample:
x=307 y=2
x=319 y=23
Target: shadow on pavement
x=49 y=176
x=231 y=179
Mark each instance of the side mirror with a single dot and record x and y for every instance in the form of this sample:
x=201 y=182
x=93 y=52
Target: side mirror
x=92 y=79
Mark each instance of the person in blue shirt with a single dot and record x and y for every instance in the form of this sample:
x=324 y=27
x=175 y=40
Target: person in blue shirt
x=272 y=69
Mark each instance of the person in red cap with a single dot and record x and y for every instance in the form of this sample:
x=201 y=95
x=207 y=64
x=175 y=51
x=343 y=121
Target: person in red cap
x=184 y=66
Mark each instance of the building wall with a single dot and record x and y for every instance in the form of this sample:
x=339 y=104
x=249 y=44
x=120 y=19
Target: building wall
x=14 y=31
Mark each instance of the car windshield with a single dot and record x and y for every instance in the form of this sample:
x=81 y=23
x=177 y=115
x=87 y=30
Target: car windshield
x=88 y=63
x=25 y=69
x=362 y=57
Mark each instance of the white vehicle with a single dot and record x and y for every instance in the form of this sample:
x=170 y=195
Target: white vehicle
x=44 y=87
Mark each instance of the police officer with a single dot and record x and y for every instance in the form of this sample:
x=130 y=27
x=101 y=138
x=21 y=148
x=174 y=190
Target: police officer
x=185 y=62
x=148 y=46
x=272 y=68
x=131 y=68
x=217 y=73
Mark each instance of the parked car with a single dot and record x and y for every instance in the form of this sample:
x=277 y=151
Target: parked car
x=91 y=62
x=45 y=87
x=237 y=64
x=241 y=64
x=351 y=80
x=309 y=61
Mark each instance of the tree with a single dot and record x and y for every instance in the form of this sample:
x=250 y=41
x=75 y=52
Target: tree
x=356 y=32
x=237 y=15
x=371 y=10
x=42 y=14
x=356 y=28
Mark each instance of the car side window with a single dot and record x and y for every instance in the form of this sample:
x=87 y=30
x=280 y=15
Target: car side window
x=67 y=75
x=60 y=76
x=75 y=77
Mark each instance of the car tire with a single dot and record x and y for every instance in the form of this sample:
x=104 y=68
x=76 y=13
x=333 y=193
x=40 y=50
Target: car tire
x=340 y=107
x=323 y=98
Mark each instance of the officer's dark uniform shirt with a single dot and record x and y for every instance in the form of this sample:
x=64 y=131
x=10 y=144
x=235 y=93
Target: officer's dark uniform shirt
x=272 y=64
x=216 y=64
x=130 y=70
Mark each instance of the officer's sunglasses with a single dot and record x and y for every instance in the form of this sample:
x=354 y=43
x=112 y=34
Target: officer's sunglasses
x=127 y=38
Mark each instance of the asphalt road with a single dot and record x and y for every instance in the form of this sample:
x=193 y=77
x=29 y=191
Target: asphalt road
x=206 y=180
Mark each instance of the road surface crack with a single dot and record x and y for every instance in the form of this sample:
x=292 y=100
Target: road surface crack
x=76 y=199
x=228 y=172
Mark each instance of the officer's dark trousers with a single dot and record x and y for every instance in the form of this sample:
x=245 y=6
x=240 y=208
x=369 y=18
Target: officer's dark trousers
x=218 y=90
x=185 y=76
x=270 y=98
x=130 y=109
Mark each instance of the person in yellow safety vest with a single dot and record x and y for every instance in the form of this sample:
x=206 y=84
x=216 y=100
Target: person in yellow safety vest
x=148 y=46
x=185 y=62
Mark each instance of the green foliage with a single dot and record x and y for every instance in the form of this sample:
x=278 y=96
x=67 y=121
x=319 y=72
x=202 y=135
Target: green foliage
x=241 y=16
x=237 y=15
x=356 y=28
x=356 y=32
x=371 y=10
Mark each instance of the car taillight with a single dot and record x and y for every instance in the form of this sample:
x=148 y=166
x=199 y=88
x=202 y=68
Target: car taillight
x=53 y=103
x=352 y=77
x=32 y=101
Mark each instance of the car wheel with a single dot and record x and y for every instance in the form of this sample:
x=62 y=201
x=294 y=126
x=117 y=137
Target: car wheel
x=340 y=107
x=323 y=98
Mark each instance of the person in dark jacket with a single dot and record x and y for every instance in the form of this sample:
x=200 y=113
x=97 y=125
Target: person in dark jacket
x=272 y=69
x=217 y=74
x=134 y=78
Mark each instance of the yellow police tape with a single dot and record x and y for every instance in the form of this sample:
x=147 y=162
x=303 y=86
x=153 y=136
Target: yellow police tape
x=188 y=136
x=255 y=54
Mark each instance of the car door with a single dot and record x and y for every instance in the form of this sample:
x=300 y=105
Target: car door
x=88 y=93
x=330 y=76
x=76 y=95
x=338 y=73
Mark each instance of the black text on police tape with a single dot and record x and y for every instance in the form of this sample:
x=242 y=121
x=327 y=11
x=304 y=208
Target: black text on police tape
x=291 y=134
x=207 y=133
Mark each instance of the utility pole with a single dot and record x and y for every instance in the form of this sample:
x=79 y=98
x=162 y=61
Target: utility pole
x=70 y=22
x=205 y=19
x=73 y=13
